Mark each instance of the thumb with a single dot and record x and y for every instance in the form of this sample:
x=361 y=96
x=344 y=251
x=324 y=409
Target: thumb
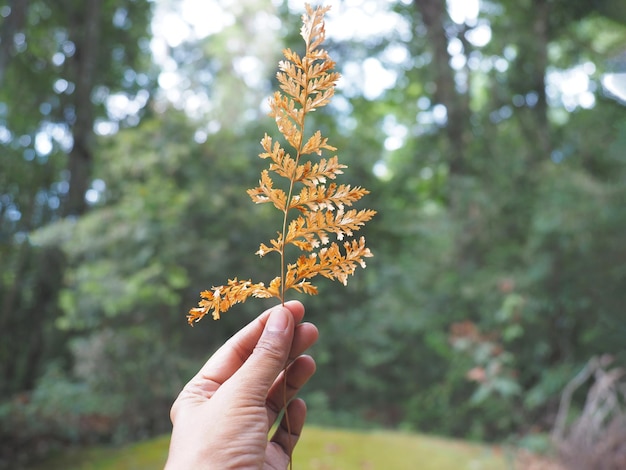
x=269 y=356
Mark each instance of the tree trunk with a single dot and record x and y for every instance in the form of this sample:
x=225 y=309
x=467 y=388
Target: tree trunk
x=12 y=24
x=87 y=30
x=435 y=16
x=538 y=79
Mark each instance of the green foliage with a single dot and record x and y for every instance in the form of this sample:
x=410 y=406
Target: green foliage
x=56 y=75
x=59 y=411
x=120 y=389
x=31 y=278
x=133 y=377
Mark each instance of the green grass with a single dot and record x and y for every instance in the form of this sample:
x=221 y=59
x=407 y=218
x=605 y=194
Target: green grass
x=319 y=449
x=143 y=455
x=346 y=450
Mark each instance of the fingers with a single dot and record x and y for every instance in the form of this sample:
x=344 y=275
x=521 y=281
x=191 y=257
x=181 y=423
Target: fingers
x=287 y=436
x=298 y=373
x=269 y=356
x=296 y=308
x=231 y=356
x=304 y=337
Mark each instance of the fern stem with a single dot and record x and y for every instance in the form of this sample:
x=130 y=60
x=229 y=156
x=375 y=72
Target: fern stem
x=283 y=266
x=283 y=263
x=283 y=269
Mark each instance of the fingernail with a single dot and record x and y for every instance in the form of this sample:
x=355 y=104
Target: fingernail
x=277 y=321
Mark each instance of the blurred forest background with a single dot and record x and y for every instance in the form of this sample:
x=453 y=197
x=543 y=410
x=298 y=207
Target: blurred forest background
x=129 y=133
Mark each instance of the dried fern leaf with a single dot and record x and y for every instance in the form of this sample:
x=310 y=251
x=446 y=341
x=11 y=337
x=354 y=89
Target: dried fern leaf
x=313 y=209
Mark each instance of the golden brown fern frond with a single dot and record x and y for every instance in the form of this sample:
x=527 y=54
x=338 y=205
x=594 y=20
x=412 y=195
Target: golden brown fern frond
x=313 y=209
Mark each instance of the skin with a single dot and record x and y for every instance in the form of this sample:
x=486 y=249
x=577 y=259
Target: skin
x=222 y=417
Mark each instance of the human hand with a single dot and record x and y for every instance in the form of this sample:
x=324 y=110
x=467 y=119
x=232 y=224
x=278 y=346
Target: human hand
x=222 y=417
